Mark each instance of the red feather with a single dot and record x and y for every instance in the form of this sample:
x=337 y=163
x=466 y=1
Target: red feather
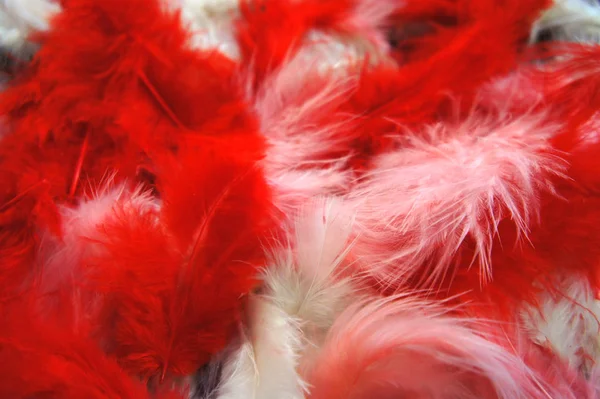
x=175 y=276
x=565 y=239
x=113 y=87
x=50 y=358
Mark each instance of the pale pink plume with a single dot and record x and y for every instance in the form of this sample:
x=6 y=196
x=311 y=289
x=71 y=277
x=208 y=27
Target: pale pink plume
x=298 y=112
x=297 y=115
x=304 y=290
x=403 y=347
x=448 y=184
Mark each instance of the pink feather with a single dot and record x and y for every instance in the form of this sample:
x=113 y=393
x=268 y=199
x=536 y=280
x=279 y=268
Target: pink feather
x=450 y=185
x=408 y=348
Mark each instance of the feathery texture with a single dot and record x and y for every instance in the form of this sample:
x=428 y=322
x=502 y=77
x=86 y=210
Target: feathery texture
x=173 y=277
x=567 y=323
x=397 y=347
x=569 y=20
x=220 y=194
x=448 y=186
x=19 y=19
x=304 y=289
x=81 y=231
x=106 y=95
x=212 y=24
x=56 y=360
x=271 y=32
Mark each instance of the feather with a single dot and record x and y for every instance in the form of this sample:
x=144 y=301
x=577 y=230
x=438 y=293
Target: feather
x=19 y=19
x=41 y=357
x=136 y=109
x=206 y=381
x=571 y=88
x=569 y=20
x=406 y=347
x=293 y=115
x=565 y=381
x=212 y=24
x=108 y=54
x=304 y=288
x=565 y=242
x=269 y=33
x=173 y=277
x=239 y=372
x=81 y=227
x=264 y=366
x=452 y=61
x=452 y=186
x=567 y=322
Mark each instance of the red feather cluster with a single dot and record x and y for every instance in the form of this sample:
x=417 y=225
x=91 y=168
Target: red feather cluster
x=116 y=97
x=142 y=176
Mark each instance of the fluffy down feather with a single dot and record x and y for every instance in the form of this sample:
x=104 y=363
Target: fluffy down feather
x=304 y=290
x=569 y=20
x=264 y=366
x=19 y=19
x=405 y=347
x=81 y=226
x=566 y=241
x=567 y=382
x=212 y=24
x=294 y=114
x=173 y=277
x=271 y=32
x=571 y=88
x=567 y=322
x=239 y=371
x=107 y=53
x=140 y=84
x=56 y=359
x=452 y=186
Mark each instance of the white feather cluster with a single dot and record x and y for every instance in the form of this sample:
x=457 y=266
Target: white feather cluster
x=304 y=291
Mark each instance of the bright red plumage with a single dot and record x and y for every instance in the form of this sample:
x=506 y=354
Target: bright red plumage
x=174 y=277
x=49 y=356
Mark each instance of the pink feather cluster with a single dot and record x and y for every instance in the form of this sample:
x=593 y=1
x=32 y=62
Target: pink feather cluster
x=308 y=199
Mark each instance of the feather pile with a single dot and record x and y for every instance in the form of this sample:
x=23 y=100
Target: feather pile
x=308 y=199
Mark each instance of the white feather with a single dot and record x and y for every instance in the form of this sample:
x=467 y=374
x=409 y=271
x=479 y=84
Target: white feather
x=239 y=373
x=211 y=23
x=568 y=323
x=20 y=18
x=303 y=293
x=570 y=20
